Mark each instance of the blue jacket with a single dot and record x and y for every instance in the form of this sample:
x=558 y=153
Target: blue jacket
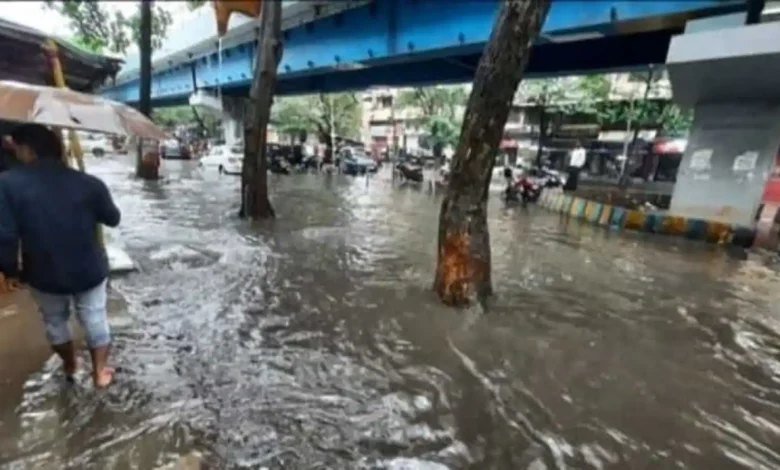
x=54 y=211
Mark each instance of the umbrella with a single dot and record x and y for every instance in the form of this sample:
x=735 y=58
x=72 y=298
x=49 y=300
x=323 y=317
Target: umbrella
x=69 y=109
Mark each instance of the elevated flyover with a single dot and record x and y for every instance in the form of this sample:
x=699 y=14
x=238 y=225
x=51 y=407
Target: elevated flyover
x=350 y=45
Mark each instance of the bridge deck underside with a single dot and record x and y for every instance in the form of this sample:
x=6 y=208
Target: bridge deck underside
x=417 y=42
x=581 y=57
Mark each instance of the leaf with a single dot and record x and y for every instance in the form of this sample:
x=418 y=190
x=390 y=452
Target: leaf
x=438 y=107
x=101 y=30
x=339 y=112
x=195 y=4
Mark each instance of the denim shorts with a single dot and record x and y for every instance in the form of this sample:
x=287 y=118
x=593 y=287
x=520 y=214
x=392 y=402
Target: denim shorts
x=90 y=309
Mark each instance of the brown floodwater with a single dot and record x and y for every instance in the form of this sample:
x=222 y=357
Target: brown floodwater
x=314 y=342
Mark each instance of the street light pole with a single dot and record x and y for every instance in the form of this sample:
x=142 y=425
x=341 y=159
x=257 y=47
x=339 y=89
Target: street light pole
x=632 y=142
x=332 y=128
x=392 y=129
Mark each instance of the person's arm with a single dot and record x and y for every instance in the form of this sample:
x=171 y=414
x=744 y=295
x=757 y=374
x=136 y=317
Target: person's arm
x=9 y=235
x=106 y=212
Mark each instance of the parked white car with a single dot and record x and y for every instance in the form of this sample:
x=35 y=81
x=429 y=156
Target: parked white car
x=224 y=159
x=95 y=144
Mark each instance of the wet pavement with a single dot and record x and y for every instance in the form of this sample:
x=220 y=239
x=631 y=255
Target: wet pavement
x=314 y=342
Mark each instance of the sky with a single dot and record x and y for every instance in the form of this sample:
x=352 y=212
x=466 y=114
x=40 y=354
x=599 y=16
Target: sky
x=36 y=15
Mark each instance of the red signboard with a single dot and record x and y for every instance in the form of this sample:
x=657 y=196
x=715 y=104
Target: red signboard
x=772 y=187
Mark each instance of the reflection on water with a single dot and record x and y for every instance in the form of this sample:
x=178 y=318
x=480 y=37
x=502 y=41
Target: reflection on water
x=314 y=342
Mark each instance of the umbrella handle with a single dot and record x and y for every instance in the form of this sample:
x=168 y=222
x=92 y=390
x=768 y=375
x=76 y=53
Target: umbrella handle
x=51 y=51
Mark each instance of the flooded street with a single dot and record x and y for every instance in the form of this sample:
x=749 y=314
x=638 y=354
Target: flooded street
x=314 y=342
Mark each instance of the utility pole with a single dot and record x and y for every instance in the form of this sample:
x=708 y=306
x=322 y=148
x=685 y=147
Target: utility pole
x=147 y=160
x=393 y=137
x=145 y=52
x=331 y=118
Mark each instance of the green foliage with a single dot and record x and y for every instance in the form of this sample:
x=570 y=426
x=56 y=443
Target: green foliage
x=77 y=42
x=184 y=115
x=340 y=112
x=594 y=98
x=434 y=101
x=161 y=20
x=195 y=4
x=100 y=30
x=439 y=107
x=291 y=116
x=543 y=93
x=442 y=132
x=675 y=121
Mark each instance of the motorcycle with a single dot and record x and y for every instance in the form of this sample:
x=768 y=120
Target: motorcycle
x=523 y=189
x=409 y=172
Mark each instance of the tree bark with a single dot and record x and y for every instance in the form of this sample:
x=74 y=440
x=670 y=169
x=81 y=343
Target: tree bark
x=147 y=162
x=463 y=270
x=254 y=176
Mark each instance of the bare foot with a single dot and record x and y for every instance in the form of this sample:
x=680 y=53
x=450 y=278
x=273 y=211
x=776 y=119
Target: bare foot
x=103 y=378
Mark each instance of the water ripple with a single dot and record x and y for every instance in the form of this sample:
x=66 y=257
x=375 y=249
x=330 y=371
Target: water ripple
x=314 y=341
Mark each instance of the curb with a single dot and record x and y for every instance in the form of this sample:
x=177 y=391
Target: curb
x=619 y=218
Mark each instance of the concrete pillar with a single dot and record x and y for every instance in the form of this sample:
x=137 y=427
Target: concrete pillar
x=728 y=76
x=234 y=111
x=232 y=130
x=731 y=151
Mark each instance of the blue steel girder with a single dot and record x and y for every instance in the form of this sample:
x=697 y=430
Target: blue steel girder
x=388 y=32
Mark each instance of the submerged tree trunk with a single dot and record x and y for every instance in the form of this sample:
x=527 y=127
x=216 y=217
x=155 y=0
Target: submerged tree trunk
x=147 y=161
x=254 y=177
x=464 y=265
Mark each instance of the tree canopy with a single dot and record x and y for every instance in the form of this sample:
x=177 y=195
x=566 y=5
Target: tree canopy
x=439 y=108
x=185 y=115
x=101 y=30
x=195 y=4
x=594 y=95
x=340 y=112
x=643 y=106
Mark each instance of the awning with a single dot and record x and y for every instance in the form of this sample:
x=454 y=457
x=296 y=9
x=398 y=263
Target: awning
x=22 y=59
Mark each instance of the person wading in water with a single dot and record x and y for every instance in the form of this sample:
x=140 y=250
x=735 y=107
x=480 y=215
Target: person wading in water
x=54 y=211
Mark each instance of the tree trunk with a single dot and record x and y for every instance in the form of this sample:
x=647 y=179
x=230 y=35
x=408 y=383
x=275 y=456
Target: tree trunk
x=254 y=177
x=637 y=127
x=147 y=161
x=198 y=120
x=463 y=265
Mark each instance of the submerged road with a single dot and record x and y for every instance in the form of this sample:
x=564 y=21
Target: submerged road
x=314 y=342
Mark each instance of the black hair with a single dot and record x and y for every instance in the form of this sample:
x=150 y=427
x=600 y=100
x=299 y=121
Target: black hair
x=44 y=142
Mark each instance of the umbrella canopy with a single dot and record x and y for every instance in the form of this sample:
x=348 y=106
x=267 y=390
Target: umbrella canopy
x=69 y=109
x=224 y=9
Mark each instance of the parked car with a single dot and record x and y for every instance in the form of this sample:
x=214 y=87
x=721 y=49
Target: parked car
x=356 y=162
x=174 y=148
x=224 y=159
x=95 y=144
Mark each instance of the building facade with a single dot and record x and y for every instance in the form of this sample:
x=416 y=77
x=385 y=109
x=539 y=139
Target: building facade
x=388 y=125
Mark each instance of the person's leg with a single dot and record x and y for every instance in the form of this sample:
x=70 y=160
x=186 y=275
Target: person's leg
x=91 y=310
x=55 y=311
x=575 y=178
